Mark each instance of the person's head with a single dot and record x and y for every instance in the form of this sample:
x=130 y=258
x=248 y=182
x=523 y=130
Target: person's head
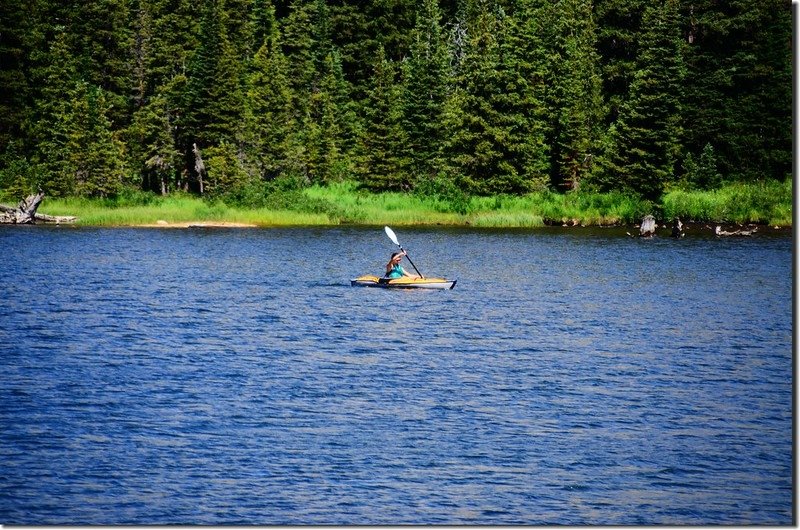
x=397 y=257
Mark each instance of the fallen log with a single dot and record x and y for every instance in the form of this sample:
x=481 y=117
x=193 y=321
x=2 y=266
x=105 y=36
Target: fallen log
x=724 y=233
x=25 y=212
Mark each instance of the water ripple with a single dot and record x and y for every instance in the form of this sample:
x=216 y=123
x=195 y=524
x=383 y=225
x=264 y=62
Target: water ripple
x=231 y=377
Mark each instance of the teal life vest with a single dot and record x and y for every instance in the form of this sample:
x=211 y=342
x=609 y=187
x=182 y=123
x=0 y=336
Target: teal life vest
x=396 y=272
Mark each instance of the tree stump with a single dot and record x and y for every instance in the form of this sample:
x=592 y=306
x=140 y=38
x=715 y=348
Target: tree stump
x=648 y=227
x=677 y=228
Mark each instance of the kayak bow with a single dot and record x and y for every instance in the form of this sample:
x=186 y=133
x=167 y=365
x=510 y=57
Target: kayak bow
x=403 y=283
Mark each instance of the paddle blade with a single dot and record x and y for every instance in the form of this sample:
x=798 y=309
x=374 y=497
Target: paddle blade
x=390 y=233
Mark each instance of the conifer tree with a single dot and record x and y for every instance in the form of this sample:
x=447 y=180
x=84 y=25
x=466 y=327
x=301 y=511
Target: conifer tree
x=213 y=99
x=739 y=94
x=298 y=46
x=381 y=161
x=264 y=25
x=269 y=115
x=426 y=91
x=576 y=107
x=619 y=28
x=101 y=41
x=646 y=138
x=95 y=155
x=324 y=154
x=48 y=124
x=495 y=142
x=13 y=77
x=152 y=148
x=174 y=38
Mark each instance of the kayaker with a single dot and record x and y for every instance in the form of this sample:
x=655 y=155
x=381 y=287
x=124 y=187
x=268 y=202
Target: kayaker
x=393 y=268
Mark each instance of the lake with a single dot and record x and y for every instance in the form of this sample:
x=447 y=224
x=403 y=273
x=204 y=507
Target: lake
x=233 y=376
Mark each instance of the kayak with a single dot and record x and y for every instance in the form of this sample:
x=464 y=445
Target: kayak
x=403 y=283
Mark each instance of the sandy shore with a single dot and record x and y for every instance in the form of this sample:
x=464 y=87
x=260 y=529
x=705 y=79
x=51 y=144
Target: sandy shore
x=198 y=224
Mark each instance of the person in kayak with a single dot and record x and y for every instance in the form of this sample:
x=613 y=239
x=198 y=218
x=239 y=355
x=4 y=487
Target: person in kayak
x=393 y=268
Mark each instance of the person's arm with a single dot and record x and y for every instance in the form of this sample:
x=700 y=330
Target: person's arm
x=406 y=273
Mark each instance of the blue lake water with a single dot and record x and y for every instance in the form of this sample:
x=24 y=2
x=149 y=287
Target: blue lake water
x=224 y=376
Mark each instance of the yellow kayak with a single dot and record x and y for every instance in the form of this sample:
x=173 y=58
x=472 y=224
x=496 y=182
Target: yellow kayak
x=403 y=283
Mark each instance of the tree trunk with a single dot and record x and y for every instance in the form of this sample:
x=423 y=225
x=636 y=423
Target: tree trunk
x=25 y=212
x=199 y=166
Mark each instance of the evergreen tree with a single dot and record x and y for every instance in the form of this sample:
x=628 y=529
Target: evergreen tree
x=13 y=78
x=739 y=98
x=264 y=25
x=323 y=133
x=94 y=153
x=214 y=99
x=269 y=111
x=426 y=91
x=100 y=40
x=48 y=123
x=174 y=38
x=619 y=31
x=647 y=135
x=495 y=142
x=152 y=146
x=383 y=138
x=576 y=107
x=298 y=46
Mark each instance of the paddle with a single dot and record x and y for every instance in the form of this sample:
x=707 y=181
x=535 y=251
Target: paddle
x=390 y=233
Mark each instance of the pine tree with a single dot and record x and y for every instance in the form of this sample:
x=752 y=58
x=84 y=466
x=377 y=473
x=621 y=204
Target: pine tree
x=739 y=98
x=48 y=123
x=213 y=99
x=426 y=91
x=647 y=135
x=298 y=46
x=381 y=160
x=100 y=39
x=619 y=29
x=13 y=77
x=269 y=112
x=576 y=106
x=152 y=148
x=496 y=143
x=94 y=153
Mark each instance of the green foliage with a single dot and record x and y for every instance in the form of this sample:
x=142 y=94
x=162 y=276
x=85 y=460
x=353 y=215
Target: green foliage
x=495 y=143
x=449 y=100
x=426 y=79
x=701 y=173
x=574 y=92
x=645 y=141
x=95 y=155
x=763 y=202
x=383 y=141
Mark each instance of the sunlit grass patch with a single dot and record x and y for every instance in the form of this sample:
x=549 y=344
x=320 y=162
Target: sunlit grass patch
x=761 y=202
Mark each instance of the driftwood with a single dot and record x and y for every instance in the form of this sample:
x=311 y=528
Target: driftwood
x=25 y=212
x=723 y=233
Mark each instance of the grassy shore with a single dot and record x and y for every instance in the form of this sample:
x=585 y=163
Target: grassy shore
x=767 y=203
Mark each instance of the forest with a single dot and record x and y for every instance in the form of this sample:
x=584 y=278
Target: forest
x=229 y=99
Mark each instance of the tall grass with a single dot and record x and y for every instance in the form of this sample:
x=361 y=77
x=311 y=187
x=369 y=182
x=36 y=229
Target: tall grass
x=763 y=202
x=177 y=208
x=768 y=202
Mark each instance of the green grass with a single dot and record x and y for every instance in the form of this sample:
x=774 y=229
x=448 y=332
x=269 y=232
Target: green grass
x=769 y=202
x=174 y=209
